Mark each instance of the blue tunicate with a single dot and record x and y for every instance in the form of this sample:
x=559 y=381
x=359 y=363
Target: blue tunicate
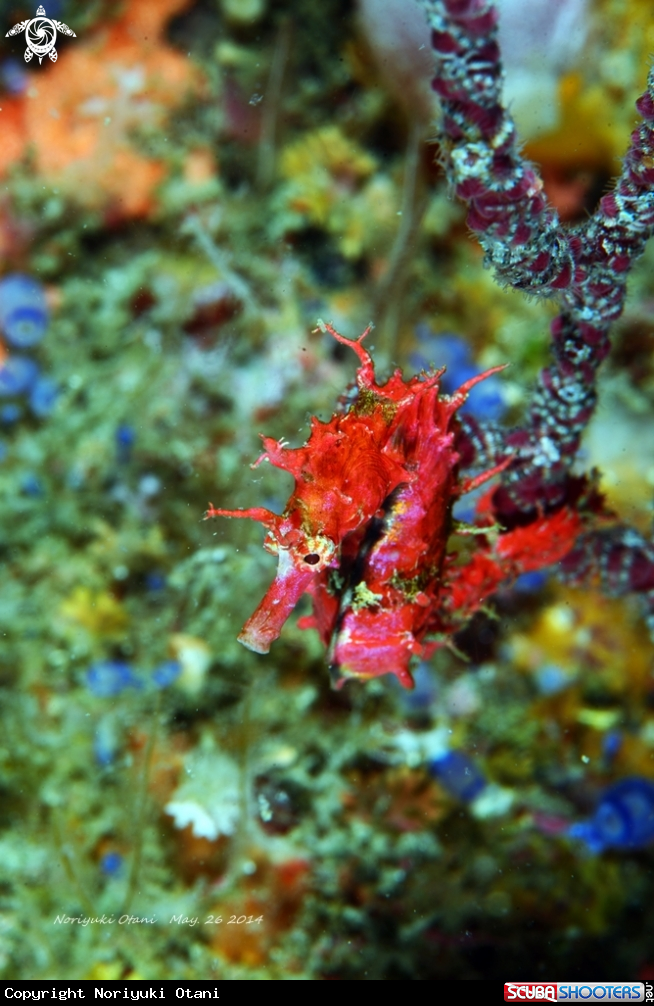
x=445 y=349
x=43 y=397
x=611 y=744
x=24 y=312
x=458 y=774
x=111 y=863
x=31 y=485
x=552 y=679
x=18 y=375
x=166 y=673
x=623 y=819
x=528 y=582
x=125 y=437
x=486 y=399
x=155 y=582
x=10 y=413
x=110 y=677
x=13 y=75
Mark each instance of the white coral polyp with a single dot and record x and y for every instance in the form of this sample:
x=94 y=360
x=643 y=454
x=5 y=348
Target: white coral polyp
x=208 y=796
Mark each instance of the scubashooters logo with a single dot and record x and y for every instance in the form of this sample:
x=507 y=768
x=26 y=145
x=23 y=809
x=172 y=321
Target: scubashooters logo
x=573 y=991
x=40 y=35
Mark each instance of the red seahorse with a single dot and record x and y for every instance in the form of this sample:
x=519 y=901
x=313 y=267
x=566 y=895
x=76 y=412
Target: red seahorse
x=374 y=489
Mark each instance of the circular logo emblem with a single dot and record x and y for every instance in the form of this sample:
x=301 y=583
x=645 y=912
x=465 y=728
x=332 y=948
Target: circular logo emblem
x=41 y=35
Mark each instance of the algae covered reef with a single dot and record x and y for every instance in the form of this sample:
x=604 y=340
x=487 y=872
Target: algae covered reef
x=183 y=193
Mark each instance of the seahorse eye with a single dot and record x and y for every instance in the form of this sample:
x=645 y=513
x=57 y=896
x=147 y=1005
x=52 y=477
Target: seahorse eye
x=312 y=558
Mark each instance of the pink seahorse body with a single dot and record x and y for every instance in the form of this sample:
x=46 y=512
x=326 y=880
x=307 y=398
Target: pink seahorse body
x=374 y=488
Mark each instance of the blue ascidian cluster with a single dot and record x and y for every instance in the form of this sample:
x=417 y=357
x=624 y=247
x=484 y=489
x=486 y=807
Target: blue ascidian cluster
x=108 y=678
x=623 y=818
x=458 y=774
x=24 y=321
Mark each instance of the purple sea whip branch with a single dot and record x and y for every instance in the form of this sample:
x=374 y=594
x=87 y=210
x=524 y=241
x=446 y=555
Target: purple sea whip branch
x=585 y=267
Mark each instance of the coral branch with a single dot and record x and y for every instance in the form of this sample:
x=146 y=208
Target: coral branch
x=622 y=560
x=585 y=267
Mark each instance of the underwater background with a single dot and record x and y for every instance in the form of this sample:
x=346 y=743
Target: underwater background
x=183 y=193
